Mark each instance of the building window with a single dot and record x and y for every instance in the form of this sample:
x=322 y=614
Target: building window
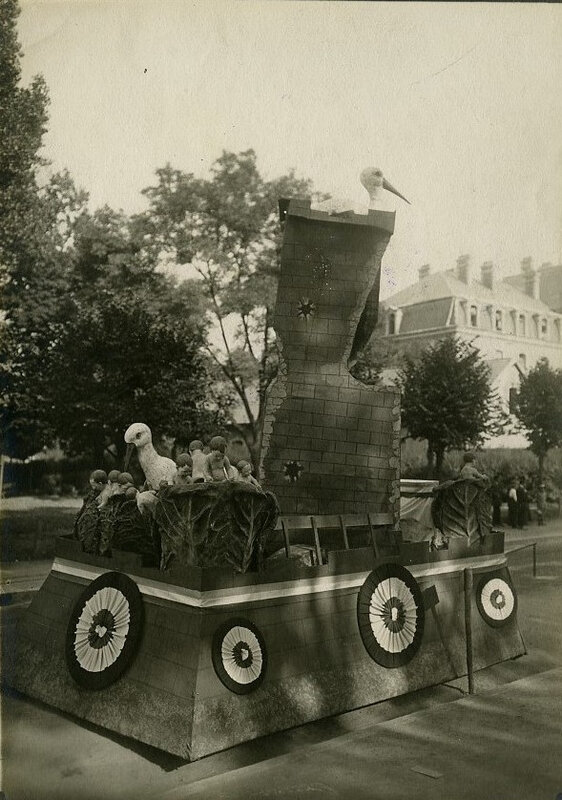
x=499 y=321
x=522 y=325
x=523 y=361
x=391 y=323
x=557 y=329
x=512 y=400
x=535 y=332
x=473 y=316
x=544 y=328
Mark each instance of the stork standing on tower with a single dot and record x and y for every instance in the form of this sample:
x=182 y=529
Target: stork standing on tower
x=374 y=182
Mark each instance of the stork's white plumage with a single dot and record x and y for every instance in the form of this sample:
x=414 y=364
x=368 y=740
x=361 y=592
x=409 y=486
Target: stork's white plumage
x=374 y=182
x=156 y=468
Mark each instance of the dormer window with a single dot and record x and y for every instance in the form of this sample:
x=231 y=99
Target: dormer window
x=522 y=325
x=499 y=321
x=535 y=327
x=473 y=316
x=544 y=328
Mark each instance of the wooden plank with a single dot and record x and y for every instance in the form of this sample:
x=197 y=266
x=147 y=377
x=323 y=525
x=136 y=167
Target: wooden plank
x=382 y=518
x=344 y=533
x=373 y=536
x=286 y=538
x=296 y=522
x=327 y=520
x=355 y=520
x=468 y=581
x=316 y=540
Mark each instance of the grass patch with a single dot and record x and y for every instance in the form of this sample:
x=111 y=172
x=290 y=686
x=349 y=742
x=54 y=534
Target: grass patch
x=31 y=535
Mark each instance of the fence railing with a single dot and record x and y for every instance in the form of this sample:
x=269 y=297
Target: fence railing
x=526 y=547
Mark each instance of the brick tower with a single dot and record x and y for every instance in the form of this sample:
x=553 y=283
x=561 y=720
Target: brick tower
x=330 y=443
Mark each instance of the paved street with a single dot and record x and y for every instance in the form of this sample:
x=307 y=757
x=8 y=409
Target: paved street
x=503 y=742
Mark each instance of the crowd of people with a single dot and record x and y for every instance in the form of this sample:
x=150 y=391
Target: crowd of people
x=519 y=495
x=518 y=503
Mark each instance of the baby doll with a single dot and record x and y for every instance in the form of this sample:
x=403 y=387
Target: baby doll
x=184 y=463
x=98 y=480
x=110 y=488
x=245 y=470
x=125 y=481
x=469 y=469
x=199 y=469
x=218 y=464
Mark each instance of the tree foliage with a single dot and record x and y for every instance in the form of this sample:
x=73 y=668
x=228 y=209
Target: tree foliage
x=93 y=335
x=32 y=259
x=447 y=399
x=539 y=409
x=120 y=360
x=122 y=343
x=226 y=230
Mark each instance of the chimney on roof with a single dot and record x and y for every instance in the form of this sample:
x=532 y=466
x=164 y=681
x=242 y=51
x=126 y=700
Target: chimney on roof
x=487 y=274
x=463 y=269
x=529 y=277
x=526 y=265
x=423 y=272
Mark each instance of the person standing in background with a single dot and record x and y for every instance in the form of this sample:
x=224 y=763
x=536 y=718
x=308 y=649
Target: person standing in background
x=512 y=504
x=541 y=503
x=522 y=504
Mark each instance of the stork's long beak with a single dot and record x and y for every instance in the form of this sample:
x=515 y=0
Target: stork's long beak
x=390 y=188
x=128 y=454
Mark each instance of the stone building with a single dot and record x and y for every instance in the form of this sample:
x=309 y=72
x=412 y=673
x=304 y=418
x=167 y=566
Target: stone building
x=507 y=320
x=544 y=283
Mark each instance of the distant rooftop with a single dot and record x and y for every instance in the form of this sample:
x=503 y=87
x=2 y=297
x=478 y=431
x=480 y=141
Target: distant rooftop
x=441 y=285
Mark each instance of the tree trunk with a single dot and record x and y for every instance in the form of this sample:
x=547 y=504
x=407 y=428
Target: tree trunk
x=541 y=466
x=430 y=457
x=439 y=456
x=252 y=439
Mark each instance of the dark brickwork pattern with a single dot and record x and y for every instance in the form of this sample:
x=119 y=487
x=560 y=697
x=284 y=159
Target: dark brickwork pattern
x=331 y=444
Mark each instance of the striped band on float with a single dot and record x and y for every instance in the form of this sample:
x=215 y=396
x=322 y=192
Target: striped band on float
x=215 y=598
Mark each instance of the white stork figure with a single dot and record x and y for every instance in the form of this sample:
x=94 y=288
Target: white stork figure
x=156 y=468
x=374 y=182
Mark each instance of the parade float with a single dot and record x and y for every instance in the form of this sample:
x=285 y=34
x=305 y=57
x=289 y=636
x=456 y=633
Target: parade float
x=210 y=613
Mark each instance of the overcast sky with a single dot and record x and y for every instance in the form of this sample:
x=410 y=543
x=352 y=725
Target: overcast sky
x=459 y=104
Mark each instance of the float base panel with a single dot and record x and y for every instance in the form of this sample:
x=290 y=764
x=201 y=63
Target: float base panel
x=172 y=698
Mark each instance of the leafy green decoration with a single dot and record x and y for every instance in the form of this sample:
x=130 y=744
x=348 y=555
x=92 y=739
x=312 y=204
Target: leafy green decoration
x=463 y=508
x=214 y=524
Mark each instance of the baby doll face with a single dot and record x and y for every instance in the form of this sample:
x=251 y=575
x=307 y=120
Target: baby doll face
x=184 y=470
x=246 y=470
x=97 y=486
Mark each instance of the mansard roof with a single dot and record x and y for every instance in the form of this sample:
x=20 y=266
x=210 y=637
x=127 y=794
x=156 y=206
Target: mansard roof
x=441 y=285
